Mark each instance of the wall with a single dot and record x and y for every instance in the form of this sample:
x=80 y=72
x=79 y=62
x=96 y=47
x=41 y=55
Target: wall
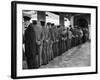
x=41 y=16
x=87 y=17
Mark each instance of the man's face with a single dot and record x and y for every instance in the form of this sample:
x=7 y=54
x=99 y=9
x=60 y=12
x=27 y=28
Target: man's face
x=26 y=23
x=49 y=26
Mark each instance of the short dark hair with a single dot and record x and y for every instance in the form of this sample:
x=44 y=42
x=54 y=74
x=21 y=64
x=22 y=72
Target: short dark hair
x=48 y=23
x=58 y=26
x=26 y=18
x=67 y=28
x=52 y=24
x=42 y=23
x=70 y=25
x=34 y=22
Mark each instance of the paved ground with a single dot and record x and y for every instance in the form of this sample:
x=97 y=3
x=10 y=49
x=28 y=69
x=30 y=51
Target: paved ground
x=75 y=57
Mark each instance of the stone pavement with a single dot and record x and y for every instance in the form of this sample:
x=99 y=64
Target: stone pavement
x=75 y=57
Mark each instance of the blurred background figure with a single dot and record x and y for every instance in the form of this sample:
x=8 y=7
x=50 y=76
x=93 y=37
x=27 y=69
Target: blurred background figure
x=80 y=35
x=69 y=38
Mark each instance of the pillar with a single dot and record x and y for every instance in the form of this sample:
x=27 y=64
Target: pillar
x=61 y=20
x=41 y=16
x=72 y=21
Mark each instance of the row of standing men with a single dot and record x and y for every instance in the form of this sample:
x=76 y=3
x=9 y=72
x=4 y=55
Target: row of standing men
x=43 y=42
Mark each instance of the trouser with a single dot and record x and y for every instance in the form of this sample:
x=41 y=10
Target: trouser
x=69 y=43
x=60 y=46
x=39 y=54
x=77 y=40
x=55 y=49
x=63 y=46
x=50 y=51
x=87 y=37
x=66 y=45
x=31 y=56
x=47 y=51
x=74 y=41
x=32 y=63
x=80 y=40
x=84 y=39
x=44 y=53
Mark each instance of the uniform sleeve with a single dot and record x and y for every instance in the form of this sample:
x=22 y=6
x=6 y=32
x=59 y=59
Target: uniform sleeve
x=42 y=35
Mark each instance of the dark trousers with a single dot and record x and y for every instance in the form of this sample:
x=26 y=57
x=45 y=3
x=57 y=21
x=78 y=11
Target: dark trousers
x=31 y=57
x=63 y=46
x=84 y=39
x=69 y=43
x=44 y=53
x=32 y=63
x=60 y=47
x=55 y=49
x=73 y=42
x=38 y=54
x=50 y=51
x=80 y=40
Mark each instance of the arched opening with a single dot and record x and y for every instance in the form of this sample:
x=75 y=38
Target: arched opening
x=82 y=22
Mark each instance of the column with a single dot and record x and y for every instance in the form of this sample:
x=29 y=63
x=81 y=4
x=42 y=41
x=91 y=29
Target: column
x=41 y=16
x=61 y=19
x=72 y=21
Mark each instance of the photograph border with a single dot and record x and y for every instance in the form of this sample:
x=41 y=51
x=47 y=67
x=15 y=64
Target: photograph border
x=14 y=38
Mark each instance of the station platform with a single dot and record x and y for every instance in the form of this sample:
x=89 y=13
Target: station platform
x=79 y=56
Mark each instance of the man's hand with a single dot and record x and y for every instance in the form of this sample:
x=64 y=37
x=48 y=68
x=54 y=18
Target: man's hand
x=38 y=42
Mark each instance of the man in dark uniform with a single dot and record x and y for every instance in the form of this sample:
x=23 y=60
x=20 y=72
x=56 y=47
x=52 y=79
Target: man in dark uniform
x=75 y=35
x=30 y=44
x=63 y=39
x=60 y=39
x=80 y=34
x=85 y=35
x=54 y=46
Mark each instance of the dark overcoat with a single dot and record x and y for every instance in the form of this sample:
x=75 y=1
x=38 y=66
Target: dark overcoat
x=30 y=46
